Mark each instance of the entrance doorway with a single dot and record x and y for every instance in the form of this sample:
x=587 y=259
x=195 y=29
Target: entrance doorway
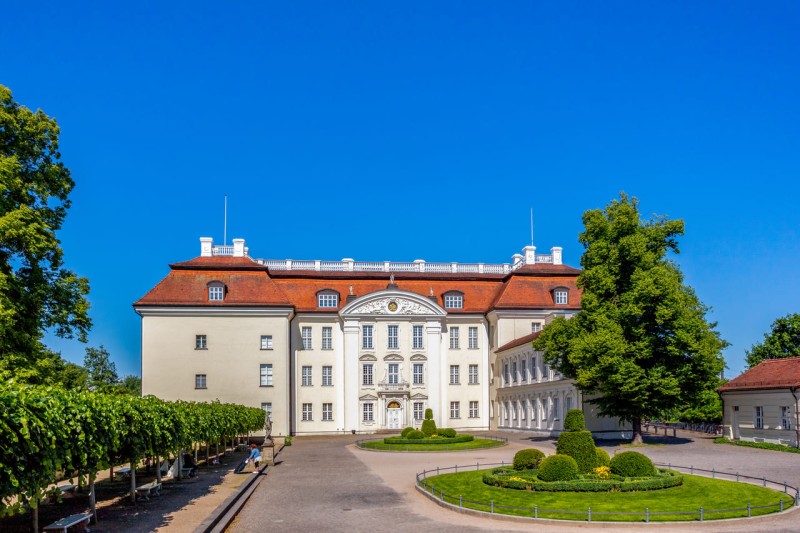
x=394 y=415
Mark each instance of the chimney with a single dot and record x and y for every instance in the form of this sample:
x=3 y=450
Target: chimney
x=206 y=245
x=530 y=255
x=516 y=259
x=238 y=247
x=556 y=251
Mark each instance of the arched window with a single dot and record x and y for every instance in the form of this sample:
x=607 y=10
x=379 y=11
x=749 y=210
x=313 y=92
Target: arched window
x=453 y=300
x=328 y=298
x=561 y=295
x=216 y=291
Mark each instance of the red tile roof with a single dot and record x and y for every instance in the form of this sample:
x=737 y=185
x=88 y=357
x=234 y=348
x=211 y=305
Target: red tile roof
x=527 y=339
x=769 y=374
x=535 y=292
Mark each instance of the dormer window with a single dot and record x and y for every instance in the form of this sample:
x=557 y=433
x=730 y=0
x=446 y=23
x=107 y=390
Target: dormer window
x=454 y=300
x=216 y=291
x=561 y=296
x=328 y=299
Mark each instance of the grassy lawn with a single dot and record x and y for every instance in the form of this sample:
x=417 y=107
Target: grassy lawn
x=696 y=491
x=472 y=445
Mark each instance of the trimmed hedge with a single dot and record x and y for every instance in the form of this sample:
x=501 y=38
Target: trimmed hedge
x=574 y=420
x=406 y=431
x=580 y=446
x=558 y=468
x=428 y=427
x=527 y=459
x=632 y=464
x=761 y=445
x=414 y=435
x=421 y=440
x=603 y=459
x=665 y=480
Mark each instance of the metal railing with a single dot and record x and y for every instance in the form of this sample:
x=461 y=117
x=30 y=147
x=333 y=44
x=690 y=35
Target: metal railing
x=535 y=512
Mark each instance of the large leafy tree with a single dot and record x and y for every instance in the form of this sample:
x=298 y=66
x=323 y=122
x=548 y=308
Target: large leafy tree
x=782 y=341
x=101 y=369
x=641 y=345
x=37 y=293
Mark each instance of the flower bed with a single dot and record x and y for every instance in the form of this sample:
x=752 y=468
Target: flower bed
x=528 y=480
x=432 y=440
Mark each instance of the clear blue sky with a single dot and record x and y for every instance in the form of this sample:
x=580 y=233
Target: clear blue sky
x=406 y=130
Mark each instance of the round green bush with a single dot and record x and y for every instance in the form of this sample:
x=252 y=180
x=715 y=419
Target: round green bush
x=415 y=435
x=580 y=446
x=429 y=414
x=527 y=459
x=632 y=464
x=447 y=432
x=558 y=468
x=574 y=420
x=406 y=431
x=603 y=459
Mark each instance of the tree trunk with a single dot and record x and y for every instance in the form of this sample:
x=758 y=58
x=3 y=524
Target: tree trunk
x=133 y=481
x=35 y=514
x=158 y=468
x=637 y=430
x=92 y=498
x=180 y=464
x=207 y=452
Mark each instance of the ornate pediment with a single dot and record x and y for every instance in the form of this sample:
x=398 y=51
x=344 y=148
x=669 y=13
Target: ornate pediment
x=367 y=357
x=393 y=302
x=393 y=357
x=367 y=398
x=418 y=357
x=419 y=396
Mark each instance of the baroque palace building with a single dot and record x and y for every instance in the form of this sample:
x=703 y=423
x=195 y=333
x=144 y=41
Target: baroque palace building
x=346 y=346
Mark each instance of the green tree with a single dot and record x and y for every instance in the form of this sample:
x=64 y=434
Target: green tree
x=131 y=385
x=641 y=344
x=102 y=370
x=37 y=293
x=782 y=341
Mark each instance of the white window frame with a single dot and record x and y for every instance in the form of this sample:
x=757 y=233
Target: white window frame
x=308 y=412
x=392 y=337
x=327 y=338
x=216 y=293
x=416 y=338
x=534 y=369
x=368 y=412
x=265 y=375
x=327 y=412
x=266 y=342
x=455 y=410
x=454 y=301
x=368 y=374
x=473 y=375
x=506 y=375
x=418 y=373
x=556 y=403
x=327 y=376
x=786 y=418
x=523 y=371
x=366 y=337
x=306 y=376
x=200 y=381
x=454 y=344
x=328 y=300
x=561 y=296
x=536 y=327
x=267 y=408
x=419 y=410
x=473 y=409
x=758 y=417
x=455 y=374
x=473 y=338
x=514 y=372
x=393 y=373
x=306 y=338
x=201 y=342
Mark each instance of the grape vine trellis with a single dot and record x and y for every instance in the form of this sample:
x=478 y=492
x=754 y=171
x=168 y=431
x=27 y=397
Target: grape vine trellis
x=45 y=431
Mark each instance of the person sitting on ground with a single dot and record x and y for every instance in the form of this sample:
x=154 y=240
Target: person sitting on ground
x=255 y=455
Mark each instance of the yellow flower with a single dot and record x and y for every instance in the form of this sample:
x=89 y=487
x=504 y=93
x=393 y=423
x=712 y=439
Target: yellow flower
x=602 y=472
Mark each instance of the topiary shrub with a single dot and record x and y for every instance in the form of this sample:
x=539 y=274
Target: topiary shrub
x=603 y=459
x=527 y=459
x=428 y=425
x=406 y=431
x=632 y=464
x=447 y=432
x=558 y=468
x=574 y=420
x=429 y=414
x=415 y=434
x=580 y=446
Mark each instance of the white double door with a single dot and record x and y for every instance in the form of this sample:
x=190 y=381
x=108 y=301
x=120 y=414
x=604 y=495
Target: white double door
x=394 y=418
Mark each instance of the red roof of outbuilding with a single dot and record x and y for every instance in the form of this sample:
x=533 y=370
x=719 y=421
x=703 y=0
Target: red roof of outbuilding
x=527 y=339
x=769 y=374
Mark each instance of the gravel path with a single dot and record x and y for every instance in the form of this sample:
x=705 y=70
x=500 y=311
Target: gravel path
x=327 y=484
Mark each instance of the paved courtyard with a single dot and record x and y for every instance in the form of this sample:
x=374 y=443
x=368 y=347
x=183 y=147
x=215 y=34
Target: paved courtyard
x=327 y=484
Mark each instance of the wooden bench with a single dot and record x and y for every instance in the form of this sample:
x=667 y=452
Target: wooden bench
x=80 y=521
x=143 y=491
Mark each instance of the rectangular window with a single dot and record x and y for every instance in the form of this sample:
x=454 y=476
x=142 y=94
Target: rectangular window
x=533 y=409
x=522 y=411
x=455 y=409
x=394 y=373
x=567 y=405
x=473 y=374
x=368 y=412
x=545 y=371
x=514 y=372
x=307 y=412
x=327 y=376
x=454 y=371
x=758 y=417
x=544 y=409
x=533 y=369
x=267 y=407
x=199 y=381
x=266 y=375
x=417 y=338
x=366 y=337
x=562 y=296
x=506 y=375
x=473 y=409
x=200 y=342
x=327 y=300
x=327 y=412
x=418 y=411
x=556 y=414
x=366 y=373
x=306 y=336
x=418 y=374
x=306 y=374
x=216 y=293
x=327 y=338
x=266 y=342
x=453 y=301
x=786 y=418
x=454 y=338
x=523 y=371
x=393 y=343
x=535 y=327
x=473 y=338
